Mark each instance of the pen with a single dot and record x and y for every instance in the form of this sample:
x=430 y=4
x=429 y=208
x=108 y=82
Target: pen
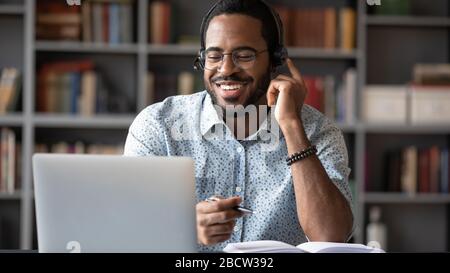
x=245 y=210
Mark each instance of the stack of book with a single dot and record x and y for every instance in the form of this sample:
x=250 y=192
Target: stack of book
x=333 y=97
x=55 y=20
x=328 y=28
x=108 y=21
x=9 y=89
x=414 y=169
x=105 y=21
x=74 y=87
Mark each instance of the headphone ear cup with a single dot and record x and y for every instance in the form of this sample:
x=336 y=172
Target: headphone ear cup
x=197 y=65
x=199 y=62
x=279 y=56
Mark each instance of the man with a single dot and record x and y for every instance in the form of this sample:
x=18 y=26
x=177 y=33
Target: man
x=307 y=199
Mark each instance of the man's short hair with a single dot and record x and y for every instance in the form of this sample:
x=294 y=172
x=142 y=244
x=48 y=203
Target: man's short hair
x=254 y=8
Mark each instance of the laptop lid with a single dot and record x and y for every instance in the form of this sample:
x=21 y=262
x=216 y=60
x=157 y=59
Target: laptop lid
x=99 y=203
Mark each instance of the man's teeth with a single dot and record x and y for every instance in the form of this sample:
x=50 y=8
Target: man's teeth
x=231 y=87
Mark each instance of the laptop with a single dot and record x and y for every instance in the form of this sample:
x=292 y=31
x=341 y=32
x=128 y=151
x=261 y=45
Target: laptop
x=103 y=203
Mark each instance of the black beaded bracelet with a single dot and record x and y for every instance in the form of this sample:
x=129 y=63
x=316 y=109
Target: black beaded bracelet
x=301 y=155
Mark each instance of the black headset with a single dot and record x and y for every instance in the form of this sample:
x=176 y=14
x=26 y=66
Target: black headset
x=280 y=53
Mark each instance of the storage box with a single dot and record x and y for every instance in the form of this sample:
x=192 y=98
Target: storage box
x=385 y=104
x=430 y=104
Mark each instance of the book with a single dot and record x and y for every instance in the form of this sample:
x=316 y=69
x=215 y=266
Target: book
x=9 y=89
x=431 y=74
x=268 y=246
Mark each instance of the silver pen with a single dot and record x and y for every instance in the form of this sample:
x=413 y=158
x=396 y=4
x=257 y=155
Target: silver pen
x=245 y=210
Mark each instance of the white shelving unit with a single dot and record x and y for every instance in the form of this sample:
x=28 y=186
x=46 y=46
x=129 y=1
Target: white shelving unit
x=140 y=56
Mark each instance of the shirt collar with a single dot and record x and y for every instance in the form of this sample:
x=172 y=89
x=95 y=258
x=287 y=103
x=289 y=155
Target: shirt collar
x=209 y=118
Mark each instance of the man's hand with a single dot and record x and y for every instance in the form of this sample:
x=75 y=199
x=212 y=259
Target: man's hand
x=288 y=95
x=216 y=220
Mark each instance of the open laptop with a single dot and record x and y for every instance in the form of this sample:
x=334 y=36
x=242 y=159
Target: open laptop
x=99 y=203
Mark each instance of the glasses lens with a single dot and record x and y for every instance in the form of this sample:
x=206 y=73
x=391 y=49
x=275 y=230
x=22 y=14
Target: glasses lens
x=244 y=59
x=213 y=59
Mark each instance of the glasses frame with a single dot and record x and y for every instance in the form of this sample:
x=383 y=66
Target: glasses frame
x=233 y=58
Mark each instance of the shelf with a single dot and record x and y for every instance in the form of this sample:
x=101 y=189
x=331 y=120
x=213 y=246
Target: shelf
x=319 y=53
x=404 y=128
x=403 y=198
x=407 y=21
x=11 y=120
x=66 y=46
x=347 y=128
x=294 y=52
x=10 y=196
x=12 y=9
x=67 y=121
x=173 y=49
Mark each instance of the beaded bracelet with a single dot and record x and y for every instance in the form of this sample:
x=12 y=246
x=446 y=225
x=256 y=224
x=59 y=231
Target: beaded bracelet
x=301 y=155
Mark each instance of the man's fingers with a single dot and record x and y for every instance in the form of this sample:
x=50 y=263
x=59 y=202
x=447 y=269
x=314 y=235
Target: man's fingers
x=272 y=92
x=220 y=229
x=286 y=78
x=218 y=239
x=294 y=71
x=223 y=216
x=218 y=205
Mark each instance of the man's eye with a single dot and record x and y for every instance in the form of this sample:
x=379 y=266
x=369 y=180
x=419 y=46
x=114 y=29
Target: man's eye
x=214 y=58
x=245 y=58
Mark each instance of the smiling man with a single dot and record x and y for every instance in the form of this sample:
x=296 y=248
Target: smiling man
x=298 y=189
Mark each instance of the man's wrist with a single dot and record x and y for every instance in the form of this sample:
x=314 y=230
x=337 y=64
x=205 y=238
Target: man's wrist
x=295 y=135
x=291 y=125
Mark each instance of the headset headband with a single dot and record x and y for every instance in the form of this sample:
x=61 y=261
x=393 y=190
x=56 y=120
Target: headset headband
x=275 y=16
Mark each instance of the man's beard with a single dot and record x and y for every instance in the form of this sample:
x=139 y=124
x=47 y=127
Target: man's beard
x=260 y=91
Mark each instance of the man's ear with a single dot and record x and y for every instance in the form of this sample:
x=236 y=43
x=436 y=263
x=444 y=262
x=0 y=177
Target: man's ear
x=273 y=68
x=274 y=73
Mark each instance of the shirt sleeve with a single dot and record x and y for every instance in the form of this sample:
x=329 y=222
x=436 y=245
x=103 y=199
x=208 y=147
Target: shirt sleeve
x=145 y=136
x=332 y=152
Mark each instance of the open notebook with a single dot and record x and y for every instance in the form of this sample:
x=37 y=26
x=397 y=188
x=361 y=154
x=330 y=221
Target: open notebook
x=309 y=247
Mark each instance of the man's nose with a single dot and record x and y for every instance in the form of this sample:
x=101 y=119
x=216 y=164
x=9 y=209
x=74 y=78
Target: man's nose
x=227 y=67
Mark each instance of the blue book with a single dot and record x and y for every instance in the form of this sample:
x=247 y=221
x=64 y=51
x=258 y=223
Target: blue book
x=114 y=23
x=75 y=91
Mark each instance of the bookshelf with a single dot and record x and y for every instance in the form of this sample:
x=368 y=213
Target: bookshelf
x=126 y=65
x=420 y=36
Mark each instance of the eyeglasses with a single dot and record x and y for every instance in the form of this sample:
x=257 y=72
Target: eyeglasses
x=242 y=58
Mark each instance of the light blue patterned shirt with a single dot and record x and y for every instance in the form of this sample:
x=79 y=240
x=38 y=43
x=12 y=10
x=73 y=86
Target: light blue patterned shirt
x=228 y=167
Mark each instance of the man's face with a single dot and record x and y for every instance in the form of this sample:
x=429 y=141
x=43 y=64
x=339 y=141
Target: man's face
x=229 y=84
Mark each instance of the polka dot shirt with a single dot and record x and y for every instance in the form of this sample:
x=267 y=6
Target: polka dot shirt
x=253 y=168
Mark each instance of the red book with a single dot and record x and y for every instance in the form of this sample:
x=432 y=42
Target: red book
x=167 y=9
x=435 y=162
x=315 y=97
x=424 y=170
